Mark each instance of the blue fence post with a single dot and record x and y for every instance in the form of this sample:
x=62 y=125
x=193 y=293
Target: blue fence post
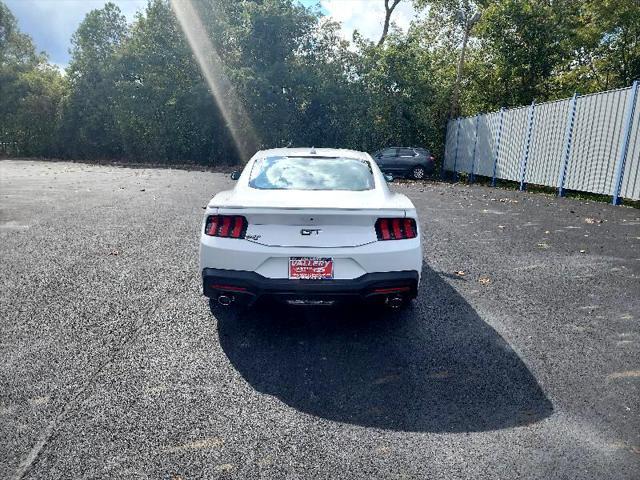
x=626 y=136
x=497 y=151
x=527 y=143
x=455 y=157
x=473 y=157
x=567 y=144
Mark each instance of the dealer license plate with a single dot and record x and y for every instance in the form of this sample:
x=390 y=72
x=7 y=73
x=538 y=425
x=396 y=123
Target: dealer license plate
x=310 y=268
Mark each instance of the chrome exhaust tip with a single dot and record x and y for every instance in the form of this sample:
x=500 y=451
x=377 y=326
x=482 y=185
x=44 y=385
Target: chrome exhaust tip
x=225 y=300
x=395 y=302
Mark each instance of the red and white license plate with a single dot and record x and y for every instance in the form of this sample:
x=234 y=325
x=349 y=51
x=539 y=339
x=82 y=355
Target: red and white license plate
x=310 y=268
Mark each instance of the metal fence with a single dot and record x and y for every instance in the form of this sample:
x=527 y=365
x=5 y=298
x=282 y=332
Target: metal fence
x=9 y=148
x=588 y=143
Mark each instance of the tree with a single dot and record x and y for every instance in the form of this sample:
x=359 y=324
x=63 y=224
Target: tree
x=16 y=48
x=606 y=47
x=137 y=92
x=388 y=11
x=525 y=42
x=402 y=105
x=30 y=92
x=328 y=94
x=267 y=70
x=162 y=108
x=89 y=126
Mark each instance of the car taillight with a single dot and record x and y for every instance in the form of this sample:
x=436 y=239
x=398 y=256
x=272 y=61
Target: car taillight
x=228 y=226
x=396 y=228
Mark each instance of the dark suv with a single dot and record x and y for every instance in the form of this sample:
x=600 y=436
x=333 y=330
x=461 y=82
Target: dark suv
x=410 y=162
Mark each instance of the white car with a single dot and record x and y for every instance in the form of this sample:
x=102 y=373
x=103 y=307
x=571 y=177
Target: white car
x=310 y=226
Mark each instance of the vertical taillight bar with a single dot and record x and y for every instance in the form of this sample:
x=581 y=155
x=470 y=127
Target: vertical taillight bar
x=224 y=229
x=384 y=233
x=397 y=233
x=238 y=223
x=409 y=227
x=211 y=227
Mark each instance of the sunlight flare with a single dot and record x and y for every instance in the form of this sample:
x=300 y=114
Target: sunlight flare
x=235 y=116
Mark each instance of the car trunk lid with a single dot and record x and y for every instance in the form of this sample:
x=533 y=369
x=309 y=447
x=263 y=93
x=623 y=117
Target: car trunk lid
x=311 y=218
x=312 y=227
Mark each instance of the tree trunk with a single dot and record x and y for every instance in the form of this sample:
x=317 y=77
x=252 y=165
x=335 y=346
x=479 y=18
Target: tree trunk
x=388 y=10
x=456 y=86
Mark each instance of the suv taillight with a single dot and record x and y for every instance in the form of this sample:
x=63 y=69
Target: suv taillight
x=228 y=226
x=396 y=228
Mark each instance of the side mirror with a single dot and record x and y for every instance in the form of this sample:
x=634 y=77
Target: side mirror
x=235 y=175
x=388 y=177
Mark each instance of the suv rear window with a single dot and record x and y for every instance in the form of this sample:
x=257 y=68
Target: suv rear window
x=311 y=173
x=406 y=152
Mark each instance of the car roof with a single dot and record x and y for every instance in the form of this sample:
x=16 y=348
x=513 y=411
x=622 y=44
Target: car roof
x=317 y=152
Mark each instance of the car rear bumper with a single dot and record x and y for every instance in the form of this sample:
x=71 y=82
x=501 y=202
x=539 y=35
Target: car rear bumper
x=250 y=286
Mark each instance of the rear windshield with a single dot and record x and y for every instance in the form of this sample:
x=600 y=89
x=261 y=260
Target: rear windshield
x=311 y=173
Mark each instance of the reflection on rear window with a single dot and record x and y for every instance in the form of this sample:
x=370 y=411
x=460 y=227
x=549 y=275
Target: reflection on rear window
x=311 y=173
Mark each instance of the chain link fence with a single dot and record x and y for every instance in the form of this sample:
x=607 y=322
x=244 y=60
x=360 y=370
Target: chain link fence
x=587 y=143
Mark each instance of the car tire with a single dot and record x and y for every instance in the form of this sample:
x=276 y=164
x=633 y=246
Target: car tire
x=418 y=172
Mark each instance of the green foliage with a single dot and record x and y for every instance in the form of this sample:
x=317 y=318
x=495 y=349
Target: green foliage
x=402 y=82
x=136 y=91
x=162 y=99
x=523 y=44
x=89 y=128
x=16 y=48
x=30 y=92
x=527 y=50
x=607 y=48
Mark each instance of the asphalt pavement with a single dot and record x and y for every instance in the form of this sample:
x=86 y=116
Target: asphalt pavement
x=519 y=359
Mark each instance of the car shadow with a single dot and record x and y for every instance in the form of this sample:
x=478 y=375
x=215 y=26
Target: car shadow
x=433 y=367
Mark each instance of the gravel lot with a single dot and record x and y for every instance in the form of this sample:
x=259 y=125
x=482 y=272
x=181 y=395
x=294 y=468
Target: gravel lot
x=519 y=359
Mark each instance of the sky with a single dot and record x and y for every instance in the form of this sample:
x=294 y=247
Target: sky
x=366 y=16
x=52 y=22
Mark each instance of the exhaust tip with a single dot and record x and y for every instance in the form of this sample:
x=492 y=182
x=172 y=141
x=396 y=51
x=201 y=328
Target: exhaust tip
x=225 y=300
x=395 y=302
